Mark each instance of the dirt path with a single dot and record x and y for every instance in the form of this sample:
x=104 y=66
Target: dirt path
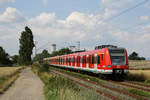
x=27 y=87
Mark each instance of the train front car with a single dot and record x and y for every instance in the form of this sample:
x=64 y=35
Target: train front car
x=117 y=60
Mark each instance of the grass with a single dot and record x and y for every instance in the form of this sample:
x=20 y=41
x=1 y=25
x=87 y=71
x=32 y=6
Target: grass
x=83 y=76
x=59 y=88
x=1 y=80
x=138 y=92
x=146 y=73
x=7 y=76
x=7 y=83
x=142 y=64
x=8 y=71
x=147 y=82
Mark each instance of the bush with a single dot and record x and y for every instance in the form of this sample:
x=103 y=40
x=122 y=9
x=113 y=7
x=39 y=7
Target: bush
x=147 y=81
x=136 y=77
x=41 y=67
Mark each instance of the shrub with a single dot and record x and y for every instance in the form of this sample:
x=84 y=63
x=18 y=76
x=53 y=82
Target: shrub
x=136 y=77
x=147 y=81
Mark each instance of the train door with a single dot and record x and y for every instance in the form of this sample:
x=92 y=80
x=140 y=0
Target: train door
x=60 y=61
x=73 y=64
x=69 y=61
x=92 y=61
x=78 y=61
x=66 y=61
x=84 y=61
x=89 y=61
x=102 y=60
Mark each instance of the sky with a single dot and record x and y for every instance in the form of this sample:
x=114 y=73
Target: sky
x=125 y=23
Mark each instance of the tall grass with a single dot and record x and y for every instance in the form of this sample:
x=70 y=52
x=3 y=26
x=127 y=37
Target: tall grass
x=138 y=92
x=7 y=76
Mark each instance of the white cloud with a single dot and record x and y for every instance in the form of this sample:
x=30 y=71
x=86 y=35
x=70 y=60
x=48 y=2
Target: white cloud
x=6 y=1
x=44 y=2
x=44 y=19
x=115 y=3
x=147 y=5
x=109 y=13
x=11 y=15
x=144 y=18
x=90 y=29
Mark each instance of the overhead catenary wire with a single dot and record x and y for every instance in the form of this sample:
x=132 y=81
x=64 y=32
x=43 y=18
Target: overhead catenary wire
x=127 y=10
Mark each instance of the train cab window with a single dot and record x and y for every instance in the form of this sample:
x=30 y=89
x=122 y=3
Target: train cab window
x=98 y=59
x=92 y=59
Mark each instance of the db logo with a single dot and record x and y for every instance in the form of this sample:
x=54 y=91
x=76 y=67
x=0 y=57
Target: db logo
x=118 y=66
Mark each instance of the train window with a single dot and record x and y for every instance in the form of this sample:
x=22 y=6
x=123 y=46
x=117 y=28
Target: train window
x=92 y=59
x=79 y=59
x=76 y=59
x=95 y=59
x=98 y=62
x=87 y=59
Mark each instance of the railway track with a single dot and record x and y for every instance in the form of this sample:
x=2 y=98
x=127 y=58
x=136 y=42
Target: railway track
x=131 y=85
x=86 y=86
x=138 y=84
x=99 y=89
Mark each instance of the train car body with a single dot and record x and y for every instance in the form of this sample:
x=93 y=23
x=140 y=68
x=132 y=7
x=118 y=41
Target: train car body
x=100 y=61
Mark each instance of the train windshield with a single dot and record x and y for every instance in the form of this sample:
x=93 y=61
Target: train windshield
x=117 y=56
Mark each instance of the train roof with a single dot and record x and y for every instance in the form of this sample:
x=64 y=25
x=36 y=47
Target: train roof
x=86 y=52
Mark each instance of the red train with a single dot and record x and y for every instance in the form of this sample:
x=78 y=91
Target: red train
x=101 y=61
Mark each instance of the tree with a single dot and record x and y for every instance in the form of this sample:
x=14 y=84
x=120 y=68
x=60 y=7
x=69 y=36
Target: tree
x=134 y=56
x=14 y=59
x=4 y=57
x=26 y=47
x=61 y=52
x=41 y=56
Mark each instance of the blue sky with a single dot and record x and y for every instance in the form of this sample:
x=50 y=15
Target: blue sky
x=65 y=22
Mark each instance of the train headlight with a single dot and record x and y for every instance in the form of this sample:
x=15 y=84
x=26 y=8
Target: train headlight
x=104 y=66
x=108 y=66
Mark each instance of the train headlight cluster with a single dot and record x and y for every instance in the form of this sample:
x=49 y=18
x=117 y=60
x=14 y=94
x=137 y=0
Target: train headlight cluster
x=108 y=66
